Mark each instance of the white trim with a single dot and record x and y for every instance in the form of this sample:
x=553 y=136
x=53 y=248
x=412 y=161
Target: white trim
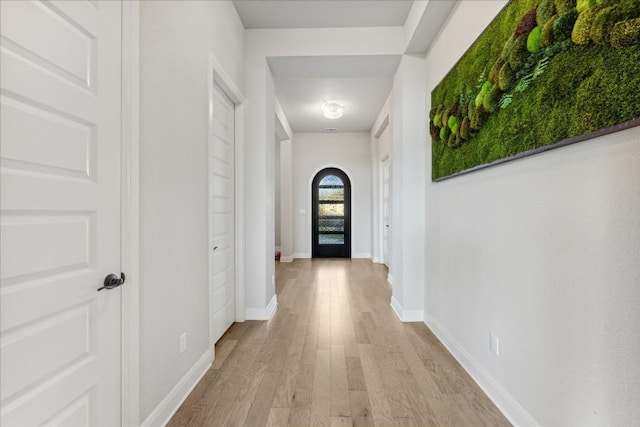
x=375 y=260
x=222 y=79
x=130 y=214
x=413 y=315
x=505 y=402
x=390 y=278
x=278 y=248
x=265 y=313
x=406 y=315
x=383 y=126
x=382 y=225
x=282 y=119
x=286 y=259
x=359 y=255
x=172 y=401
x=301 y=255
x=397 y=308
x=240 y=213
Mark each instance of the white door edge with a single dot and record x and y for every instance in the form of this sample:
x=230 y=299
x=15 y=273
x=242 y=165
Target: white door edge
x=130 y=216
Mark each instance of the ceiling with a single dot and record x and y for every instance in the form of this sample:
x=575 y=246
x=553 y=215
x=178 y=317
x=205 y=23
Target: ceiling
x=360 y=83
x=322 y=13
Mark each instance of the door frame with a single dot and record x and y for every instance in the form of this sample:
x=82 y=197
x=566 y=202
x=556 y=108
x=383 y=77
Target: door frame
x=130 y=214
x=220 y=80
x=384 y=260
x=354 y=210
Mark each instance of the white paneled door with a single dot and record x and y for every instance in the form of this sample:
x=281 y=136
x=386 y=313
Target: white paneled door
x=221 y=208
x=60 y=212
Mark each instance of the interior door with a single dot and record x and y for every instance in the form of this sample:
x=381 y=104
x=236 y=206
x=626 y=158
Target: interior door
x=221 y=206
x=331 y=211
x=60 y=212
x=386 y=213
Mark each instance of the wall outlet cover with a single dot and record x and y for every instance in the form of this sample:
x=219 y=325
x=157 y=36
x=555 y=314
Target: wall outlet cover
x=494 y=344
x=183 y=342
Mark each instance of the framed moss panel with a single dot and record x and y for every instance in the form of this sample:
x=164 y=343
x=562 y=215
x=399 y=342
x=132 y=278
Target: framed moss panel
x=544 y=74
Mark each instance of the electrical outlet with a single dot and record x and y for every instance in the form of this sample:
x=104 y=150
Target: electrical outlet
x=494 y=344
x=273 y=280
x=183 y=342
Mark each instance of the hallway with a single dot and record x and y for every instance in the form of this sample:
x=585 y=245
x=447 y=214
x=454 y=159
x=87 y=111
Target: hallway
x=334 y=354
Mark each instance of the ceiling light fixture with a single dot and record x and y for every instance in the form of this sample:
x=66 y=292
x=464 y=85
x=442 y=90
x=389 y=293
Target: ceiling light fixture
x=332 y=110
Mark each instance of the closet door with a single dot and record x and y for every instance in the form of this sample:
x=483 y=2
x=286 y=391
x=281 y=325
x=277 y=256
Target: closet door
x=60 y=177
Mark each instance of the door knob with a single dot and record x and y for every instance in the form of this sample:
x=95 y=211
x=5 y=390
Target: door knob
x=112 y=281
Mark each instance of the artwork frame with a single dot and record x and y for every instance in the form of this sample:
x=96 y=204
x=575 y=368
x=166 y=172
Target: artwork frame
x=556 y=98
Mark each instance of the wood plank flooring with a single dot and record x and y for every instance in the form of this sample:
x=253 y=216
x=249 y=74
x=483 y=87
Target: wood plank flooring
x=334 y=354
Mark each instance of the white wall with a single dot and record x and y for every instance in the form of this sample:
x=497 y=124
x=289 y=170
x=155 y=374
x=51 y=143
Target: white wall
x=175 y=39
x=545 y=253
x=351 y=153
x=261 y=103
x=286 y=196
x=406 y=268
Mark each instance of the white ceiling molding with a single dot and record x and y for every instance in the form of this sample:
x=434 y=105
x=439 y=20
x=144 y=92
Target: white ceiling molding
x=283 y=129
x=263 y=14
x=420 y=33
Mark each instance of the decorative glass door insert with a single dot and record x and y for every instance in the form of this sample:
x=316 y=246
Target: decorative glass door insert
x=331 y=214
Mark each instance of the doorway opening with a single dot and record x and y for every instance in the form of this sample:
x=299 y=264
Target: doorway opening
x=331 y=214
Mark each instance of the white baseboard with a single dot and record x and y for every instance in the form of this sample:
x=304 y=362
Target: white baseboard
x=390 y=278
x=359 y=255
x=286 y=259
x=172 y=401
x=271 y=308
x=375 y=260
x=278 y=248
x=262 y=313
x=406 y=315
x=302 y=255
x=507 y=404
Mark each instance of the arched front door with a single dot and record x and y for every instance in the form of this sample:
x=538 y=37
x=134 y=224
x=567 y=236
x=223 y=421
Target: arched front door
x=331 y=210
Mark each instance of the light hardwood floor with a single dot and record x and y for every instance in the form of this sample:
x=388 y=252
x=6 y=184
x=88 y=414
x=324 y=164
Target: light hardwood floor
x=334 y=354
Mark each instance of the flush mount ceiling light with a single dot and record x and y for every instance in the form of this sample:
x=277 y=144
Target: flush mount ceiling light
x=332 y=110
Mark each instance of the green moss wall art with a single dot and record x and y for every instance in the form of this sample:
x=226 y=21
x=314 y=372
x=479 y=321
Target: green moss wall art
x=544 y=74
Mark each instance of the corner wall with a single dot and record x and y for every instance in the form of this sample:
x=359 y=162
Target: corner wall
x=406 y=269
x=544 y=253
x=174 y=290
